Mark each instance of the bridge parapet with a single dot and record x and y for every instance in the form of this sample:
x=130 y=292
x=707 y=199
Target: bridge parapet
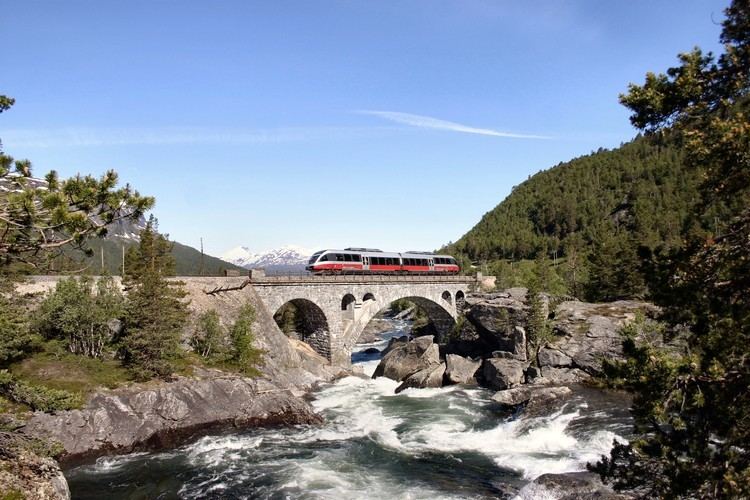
x=359 y=279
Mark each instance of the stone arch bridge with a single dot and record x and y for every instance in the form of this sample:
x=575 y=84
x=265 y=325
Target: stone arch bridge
x=338 y=308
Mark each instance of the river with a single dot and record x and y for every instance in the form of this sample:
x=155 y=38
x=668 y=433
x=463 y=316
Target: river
x=420 y=444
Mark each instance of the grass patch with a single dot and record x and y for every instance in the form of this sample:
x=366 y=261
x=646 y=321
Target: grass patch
x=13 y=494
x=56 y=368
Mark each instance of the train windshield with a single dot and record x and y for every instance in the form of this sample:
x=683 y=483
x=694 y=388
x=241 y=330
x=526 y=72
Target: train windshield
x=314 y=257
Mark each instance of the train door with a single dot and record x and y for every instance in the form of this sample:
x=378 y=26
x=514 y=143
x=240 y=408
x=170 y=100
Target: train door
x=431 y=263
x=365 y=263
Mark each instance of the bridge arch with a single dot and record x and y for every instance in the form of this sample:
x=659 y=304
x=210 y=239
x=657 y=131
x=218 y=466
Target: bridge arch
x=347 y=302
x=368 y=296
x=439 y=315
x=446 y=296
x=307 y=323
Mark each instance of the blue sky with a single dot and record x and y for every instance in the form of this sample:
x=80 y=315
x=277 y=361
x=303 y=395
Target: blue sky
x=329 y=123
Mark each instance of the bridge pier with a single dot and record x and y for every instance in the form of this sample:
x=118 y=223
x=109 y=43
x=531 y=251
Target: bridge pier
x=337 y=309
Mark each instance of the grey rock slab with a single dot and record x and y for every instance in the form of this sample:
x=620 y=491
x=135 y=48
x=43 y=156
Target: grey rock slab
x=460 y=370
x=536 y=400
x=429 y=377
x=499 y=373
x=165 y=414
x=571 y=486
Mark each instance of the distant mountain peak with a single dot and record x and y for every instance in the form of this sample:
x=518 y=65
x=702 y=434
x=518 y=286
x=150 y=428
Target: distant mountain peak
x=286 y=256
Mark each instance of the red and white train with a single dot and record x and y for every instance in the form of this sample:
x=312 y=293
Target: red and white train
x=373 y=261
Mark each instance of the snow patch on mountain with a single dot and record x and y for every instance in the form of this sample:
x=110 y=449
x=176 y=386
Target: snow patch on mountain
x=288 y=255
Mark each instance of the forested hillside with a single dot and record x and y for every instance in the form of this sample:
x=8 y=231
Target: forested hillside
x=589 y=216
x=640 y=187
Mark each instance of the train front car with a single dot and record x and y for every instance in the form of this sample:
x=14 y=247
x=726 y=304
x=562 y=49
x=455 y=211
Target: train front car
x=347 y=261
x=445 y=264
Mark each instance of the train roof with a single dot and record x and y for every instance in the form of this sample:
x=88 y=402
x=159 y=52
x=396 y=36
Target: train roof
x=381 y=253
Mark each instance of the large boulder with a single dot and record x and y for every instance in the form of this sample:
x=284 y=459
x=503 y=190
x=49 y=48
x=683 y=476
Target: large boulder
x=460 y=370
x=429 y=377
x=534 y=400
x=405 y=359
x=503 y=373
x=553 y=357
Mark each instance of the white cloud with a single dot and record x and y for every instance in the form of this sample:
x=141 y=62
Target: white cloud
x=438 y=124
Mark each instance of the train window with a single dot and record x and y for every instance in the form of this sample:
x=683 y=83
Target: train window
x=324 y=258
x=347 y=257
x=356 y=258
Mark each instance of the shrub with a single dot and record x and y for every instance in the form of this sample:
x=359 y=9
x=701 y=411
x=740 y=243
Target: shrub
x=37 y=397
x=244 y=356
x=207 y=340
x=81 y=311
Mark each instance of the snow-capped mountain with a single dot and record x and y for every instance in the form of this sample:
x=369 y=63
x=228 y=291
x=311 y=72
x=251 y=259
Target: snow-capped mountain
x=286 y=256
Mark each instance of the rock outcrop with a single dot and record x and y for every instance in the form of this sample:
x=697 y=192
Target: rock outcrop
x=570 y=486
x=491 y=324
x=490 y=348
x=586 y=334
x=24 y=473
x=152 y=416
x=404 y=359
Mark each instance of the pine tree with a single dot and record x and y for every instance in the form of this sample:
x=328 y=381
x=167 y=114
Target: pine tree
x=693 y=411
x=155 y=312
x=538 y=328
